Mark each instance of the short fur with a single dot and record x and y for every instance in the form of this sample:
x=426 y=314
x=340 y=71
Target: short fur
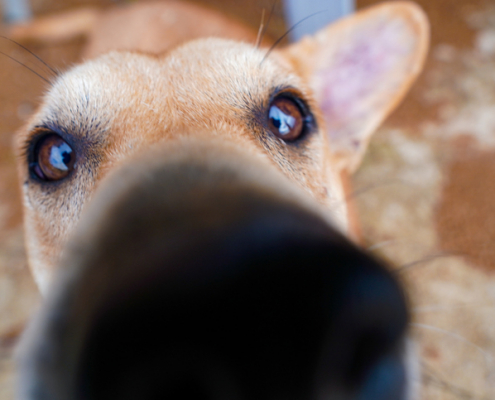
x=350 y=75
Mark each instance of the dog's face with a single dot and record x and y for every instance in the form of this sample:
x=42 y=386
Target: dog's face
x=99 y=114
x=307 y=110
x=203 y=189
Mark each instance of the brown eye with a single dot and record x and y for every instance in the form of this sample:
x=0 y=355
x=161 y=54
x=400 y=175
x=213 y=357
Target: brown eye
x=53 y=158
x=285 y=119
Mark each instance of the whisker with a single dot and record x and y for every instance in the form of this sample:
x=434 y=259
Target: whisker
x=427 y=259
x=381 y=244
x=367 y=188
x=405 y=241
x=272 y=47
x=430 y=377
x=487 y=357
x=25 y=66
x=50 y=68
x=358 y=192
x=443 y=308
x=263 y=32
x=258 y=38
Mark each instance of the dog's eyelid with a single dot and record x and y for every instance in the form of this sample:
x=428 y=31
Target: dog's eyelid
x=46 y=129
x=34 y=134
x=299 y=96
x=291 y=91
x=50 y=154
x=297 y=107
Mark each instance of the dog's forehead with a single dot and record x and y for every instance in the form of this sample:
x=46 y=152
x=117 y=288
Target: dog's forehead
x=199 y=83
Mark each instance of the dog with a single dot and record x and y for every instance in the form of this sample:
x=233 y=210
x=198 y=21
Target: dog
x=221 y=144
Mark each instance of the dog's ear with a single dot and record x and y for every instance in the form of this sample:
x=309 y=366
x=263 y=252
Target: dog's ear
x=359 y=69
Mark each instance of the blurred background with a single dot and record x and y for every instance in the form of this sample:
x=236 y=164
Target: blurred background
x=425 y=192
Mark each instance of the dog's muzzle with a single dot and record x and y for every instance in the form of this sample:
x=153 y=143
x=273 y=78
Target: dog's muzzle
x=195 y=275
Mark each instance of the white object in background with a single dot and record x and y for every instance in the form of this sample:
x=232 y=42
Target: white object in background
x=16 y=11
x=327 y=11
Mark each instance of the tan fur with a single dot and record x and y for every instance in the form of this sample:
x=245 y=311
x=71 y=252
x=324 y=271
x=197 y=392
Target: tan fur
x=125 y=102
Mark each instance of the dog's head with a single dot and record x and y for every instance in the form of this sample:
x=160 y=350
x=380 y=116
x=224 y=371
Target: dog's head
x=308 y=110
x=205 y=186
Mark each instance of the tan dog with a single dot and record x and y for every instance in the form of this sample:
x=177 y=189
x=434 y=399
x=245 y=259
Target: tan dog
x=290 y=124
x=338 y=86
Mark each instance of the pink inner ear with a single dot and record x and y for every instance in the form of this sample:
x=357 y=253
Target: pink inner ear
x=362 y=70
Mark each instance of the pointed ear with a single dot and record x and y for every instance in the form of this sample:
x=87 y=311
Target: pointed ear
x=359 y=69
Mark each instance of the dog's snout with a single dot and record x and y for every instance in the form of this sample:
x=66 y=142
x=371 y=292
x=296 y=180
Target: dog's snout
x=197 y=280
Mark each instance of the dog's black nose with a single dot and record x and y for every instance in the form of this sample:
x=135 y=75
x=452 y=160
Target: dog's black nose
x=268 y=307
x=193 y=283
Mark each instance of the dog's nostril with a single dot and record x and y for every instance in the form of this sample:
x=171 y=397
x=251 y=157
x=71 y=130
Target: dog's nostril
x=365 y=346
x=384 y=380
x=377 y=322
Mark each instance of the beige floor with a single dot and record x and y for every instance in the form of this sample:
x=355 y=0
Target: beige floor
x=425 y=192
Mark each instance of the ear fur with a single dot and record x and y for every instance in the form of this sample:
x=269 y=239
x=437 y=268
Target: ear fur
x=360 y=68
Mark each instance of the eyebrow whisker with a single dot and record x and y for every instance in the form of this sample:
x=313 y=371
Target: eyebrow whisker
x=50 y=68
x=265 y=27
x=260 y=30
x=287 y=32
x=25 y=66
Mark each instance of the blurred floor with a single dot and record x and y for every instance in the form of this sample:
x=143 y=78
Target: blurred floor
x=426 y=196
x=430 y=206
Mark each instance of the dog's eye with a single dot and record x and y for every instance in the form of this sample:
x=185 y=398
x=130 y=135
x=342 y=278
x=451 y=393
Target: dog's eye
x=53 y=158
x=285 y=118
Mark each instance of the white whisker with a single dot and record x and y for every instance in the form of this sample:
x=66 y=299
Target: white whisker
x=443 y=307
x=379 y=245
x=425 y=260
x=488 y=358
x=260 y=30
